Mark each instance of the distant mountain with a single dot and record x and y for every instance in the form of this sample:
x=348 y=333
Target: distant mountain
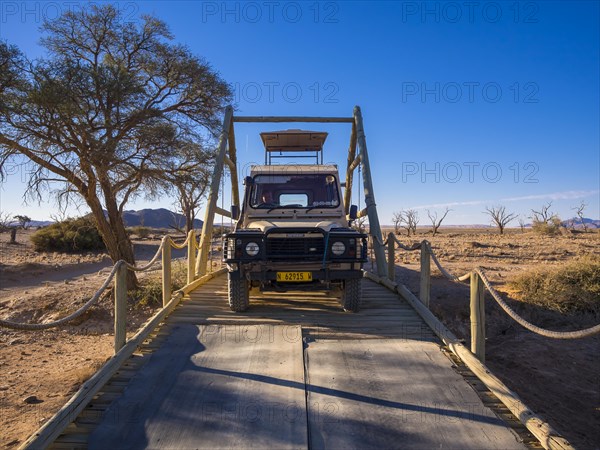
x=32 y=224
x=578 y=223
x=156 y=218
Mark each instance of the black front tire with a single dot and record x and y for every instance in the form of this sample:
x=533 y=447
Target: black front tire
x=239 y=294
x=352 y=295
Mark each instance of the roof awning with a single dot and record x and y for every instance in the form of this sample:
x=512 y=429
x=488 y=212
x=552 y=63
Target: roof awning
x=293 y=140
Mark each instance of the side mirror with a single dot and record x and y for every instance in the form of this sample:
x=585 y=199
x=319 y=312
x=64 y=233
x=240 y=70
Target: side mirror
x=235 y=212
x=248 y=181
x=353 y=212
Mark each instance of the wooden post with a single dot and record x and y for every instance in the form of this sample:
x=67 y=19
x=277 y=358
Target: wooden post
x=374 y=227
x=211 y=204
x=391 y=259
x=425 y=289
x=349 y=171
x=120 y=307
x=477 y=317
x=191 y=257
x=166 y=271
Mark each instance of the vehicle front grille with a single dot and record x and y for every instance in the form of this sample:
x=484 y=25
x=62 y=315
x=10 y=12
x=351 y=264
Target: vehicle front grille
x=305 y=248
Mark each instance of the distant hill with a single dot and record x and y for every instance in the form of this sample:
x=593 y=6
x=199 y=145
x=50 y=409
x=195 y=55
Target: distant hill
x=152 y=218
x=578 y=223
x=156 y=218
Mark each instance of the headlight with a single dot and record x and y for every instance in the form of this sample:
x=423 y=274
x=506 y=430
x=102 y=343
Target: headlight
x=252 y=248
x=338 y=248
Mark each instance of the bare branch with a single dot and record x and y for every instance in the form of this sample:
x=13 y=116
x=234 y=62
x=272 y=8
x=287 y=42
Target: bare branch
x=500 y=217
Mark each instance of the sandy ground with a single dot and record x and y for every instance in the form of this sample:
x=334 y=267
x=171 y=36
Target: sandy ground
x=39 y=371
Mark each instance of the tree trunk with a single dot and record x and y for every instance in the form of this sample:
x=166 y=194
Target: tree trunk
x=114 y=235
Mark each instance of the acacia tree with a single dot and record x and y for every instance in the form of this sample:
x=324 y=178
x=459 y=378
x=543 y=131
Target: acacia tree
x=189 y=180
x=23 y=220
x=500 y=217
x=435 y=222
x=103 y=114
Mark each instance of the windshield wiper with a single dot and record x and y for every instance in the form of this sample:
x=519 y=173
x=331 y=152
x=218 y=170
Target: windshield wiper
x=285 y=207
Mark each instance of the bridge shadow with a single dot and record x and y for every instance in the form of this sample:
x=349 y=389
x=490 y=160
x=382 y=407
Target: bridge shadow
x=193 y=393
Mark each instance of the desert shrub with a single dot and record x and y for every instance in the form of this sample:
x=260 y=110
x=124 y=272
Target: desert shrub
x=571 y=288
x=548 y=227
x=149 y=293
x=140 y=231
x=71 y=235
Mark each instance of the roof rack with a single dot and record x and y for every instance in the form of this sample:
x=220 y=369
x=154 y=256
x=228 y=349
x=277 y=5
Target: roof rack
x=293 y=144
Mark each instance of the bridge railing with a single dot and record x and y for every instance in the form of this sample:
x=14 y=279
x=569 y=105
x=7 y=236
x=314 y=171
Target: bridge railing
x=479 y=282
x=118 y=276
x=474 y=358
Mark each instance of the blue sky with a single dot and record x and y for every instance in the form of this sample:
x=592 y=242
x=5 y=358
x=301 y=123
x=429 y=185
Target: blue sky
x=466 y=105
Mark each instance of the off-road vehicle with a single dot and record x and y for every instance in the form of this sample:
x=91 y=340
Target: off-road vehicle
x=293 y=232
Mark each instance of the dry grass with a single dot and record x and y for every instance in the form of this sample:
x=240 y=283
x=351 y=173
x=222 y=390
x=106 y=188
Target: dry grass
x=570 y=288
x=150 y=291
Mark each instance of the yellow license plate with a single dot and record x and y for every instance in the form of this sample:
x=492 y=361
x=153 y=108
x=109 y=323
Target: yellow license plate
x=294 y=277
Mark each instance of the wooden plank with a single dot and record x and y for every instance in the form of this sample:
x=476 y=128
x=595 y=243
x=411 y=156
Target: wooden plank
x=395 y=394
x=214 y=387
x=546 y=435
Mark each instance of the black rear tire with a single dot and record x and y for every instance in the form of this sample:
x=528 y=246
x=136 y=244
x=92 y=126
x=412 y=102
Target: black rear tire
x=239 y=294
x=352 y=295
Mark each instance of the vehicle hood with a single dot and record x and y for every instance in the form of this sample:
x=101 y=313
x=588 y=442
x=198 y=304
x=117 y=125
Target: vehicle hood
x=266 y=225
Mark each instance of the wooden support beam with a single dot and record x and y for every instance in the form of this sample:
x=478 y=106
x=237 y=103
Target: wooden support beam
x=350 y=172
x=280 y=119
x=222 y=212
x=232 y=162
x=211 y=204
x=374 y=227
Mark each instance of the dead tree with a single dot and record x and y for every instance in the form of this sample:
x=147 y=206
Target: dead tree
x=435 y=223
x=579 y=211
x=522 y=224
x=544 y=215
x=397 y=221
x=500 y=217
x=409 y=221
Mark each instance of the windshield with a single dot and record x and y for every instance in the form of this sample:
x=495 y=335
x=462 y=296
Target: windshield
x=294 y=191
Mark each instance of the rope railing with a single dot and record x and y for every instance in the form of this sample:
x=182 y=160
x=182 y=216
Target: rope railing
x=479 y=282
x=44 y=326
x=118 y=273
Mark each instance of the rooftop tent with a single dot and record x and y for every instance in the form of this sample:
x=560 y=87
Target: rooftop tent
x=294 y=141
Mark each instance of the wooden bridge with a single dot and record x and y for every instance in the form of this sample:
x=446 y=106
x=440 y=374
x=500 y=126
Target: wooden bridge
x=294 y=371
